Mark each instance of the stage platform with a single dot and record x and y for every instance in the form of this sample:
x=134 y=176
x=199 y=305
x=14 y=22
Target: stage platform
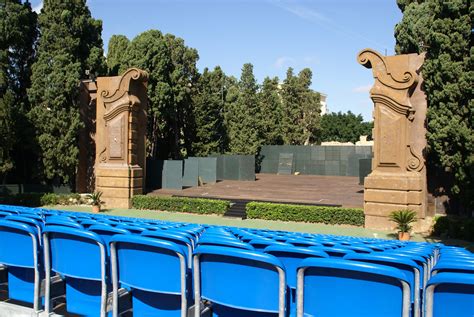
x=308 y=189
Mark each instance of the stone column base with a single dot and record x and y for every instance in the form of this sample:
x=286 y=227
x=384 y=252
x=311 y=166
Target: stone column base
x=384 y=193
x=119 y=184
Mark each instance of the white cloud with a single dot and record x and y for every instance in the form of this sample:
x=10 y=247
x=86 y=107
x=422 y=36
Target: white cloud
x=360 y=89
x=301 y=11
x=37 y=8
x=283 y=60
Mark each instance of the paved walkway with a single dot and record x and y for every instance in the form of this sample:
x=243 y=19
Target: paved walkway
x=338 y=190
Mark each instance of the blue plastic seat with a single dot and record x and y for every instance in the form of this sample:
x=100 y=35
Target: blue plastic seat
x=154 y=272
x=261 y=244
x=80 y=258
x=409 y=267
x=183 y=241
x=106 y=232
x=230 y=243
x=456 y=266
x=450 y=294
x=63 y=223
x=239 y=282
x=334 y=252
x=31 y=222
x=20 y=254
x=340 y=288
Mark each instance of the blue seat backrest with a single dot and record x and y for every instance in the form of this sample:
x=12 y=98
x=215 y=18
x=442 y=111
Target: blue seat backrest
x=75 y=253
x=231 y=243
x=106 y=232
x=456 y=266
x=221 y=270
x=291 y=258
x=17 y=244
x=63 y=223
x=453 y=295
x=149 y=264
x=338 y=288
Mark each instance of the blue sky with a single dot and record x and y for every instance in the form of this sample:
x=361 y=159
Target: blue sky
x=324 y=35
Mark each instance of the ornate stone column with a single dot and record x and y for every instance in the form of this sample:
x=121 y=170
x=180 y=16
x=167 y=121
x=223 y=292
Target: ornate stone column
x=398 y=178
x=120 y=137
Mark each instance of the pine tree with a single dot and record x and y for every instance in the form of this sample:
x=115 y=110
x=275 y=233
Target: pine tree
x=270 y=104
x=70 y=43
x=118 y=45
x=18 y=25
x=244 y=115
x=444 y=30
x=209 y=113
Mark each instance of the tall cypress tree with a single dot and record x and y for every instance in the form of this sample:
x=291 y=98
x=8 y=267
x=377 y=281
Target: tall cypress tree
x=444 y=30
x=18 y=25
x=209 y=113
x=270 y=104
x=70 y=44
x=118 y=45
x=301 y=108
x=244 y=115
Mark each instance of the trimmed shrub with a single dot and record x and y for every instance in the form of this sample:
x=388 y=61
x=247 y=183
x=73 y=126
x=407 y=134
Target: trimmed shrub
x=301 y=213
x=454 y=228
x=181 y=204
x=40 y=199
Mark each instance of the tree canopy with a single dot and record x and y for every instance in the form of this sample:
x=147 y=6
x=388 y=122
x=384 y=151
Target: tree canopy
x=344 y=127
x=443 y=29
x=70 y=43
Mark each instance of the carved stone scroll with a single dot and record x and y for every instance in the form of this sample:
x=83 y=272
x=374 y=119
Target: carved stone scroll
x=398 y=178
x=120 y=136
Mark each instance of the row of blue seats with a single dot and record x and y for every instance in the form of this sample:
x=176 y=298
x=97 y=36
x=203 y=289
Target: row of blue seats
x=159 y=268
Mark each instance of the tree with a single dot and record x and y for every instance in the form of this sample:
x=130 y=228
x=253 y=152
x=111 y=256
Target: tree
x=270 y=106
x=172 y=78
x=118 y=45
x=444 y=30
x=244 y=117
x=301 y=108
x=343 y=127
x=208 y=103
x=70 y=43
x=18 y=25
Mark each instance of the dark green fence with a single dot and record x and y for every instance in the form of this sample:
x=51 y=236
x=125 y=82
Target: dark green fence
x=315 y=160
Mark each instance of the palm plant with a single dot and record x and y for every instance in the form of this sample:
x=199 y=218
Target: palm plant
x=403 y=219
x=95 y=198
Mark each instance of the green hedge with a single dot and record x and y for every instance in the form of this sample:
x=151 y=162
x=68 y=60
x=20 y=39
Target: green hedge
x=301 y=213
x=181 y=204
x=40 y=199
x=454 y=228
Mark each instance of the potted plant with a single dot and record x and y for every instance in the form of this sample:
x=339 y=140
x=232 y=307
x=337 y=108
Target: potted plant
x=95 y=200
x=403 y=219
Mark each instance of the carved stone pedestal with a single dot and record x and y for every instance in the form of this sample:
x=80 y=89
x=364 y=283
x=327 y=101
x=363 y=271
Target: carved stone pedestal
x=120 y=137
x=398 y=178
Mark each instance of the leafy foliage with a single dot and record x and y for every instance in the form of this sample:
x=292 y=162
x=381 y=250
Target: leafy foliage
x=118 y=45
x=192 y=205
x=403 y=219
x=300 y=213
x=95 y=198
x=209 y=101
x=70 y=44
x=454 y=228
x=17 y=52
x=41 y=199
x=301 y=108
x=270 y=104
x=173 y=75
x=243 y=116
x=444 y=30
x=344 y=127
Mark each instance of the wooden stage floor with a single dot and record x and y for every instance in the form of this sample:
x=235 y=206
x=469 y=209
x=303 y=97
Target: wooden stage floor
x=311 y=189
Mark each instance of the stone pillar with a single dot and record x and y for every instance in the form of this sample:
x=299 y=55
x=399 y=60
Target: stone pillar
x=398 y=177
x=120 y=137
